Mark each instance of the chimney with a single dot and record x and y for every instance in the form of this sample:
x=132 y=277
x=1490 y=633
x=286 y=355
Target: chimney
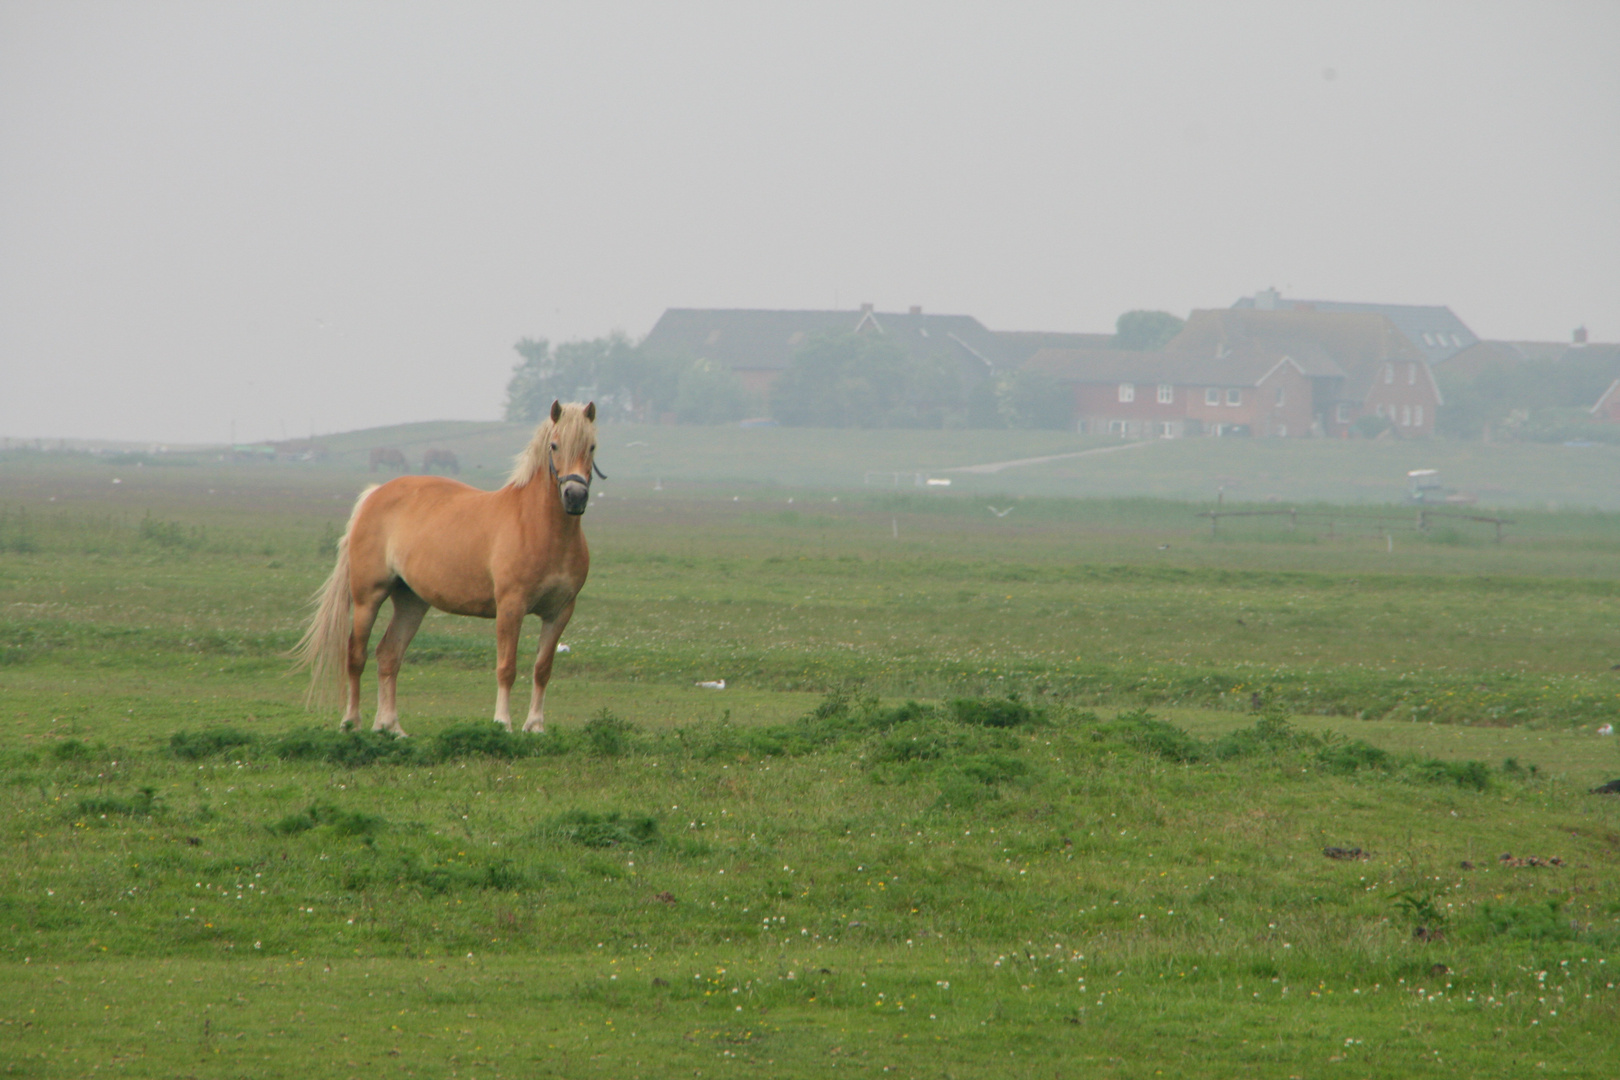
x=866 y=309
x=1579 y=337
x=916 y=309
x=1266 y=299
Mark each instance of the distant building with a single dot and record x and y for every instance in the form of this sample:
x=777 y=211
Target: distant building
x=1433 y=329
x=1020 y=345
x=1506 y=355
x=759 y=345
x=1253 y=371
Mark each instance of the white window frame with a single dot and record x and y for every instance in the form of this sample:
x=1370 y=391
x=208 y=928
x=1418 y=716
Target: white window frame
x=1417 y=416
x=1127 y=392
x=1212 y=395
x=1167 y=394
x=1234 y=395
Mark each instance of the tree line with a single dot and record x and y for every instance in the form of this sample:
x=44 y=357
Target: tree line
x=841 y=380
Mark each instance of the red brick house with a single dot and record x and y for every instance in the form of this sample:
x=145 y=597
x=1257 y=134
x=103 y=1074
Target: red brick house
x=1141 y=395
x=1288 y=374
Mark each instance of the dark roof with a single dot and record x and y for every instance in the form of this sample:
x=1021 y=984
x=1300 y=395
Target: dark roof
x=1435 y=330
x=1020 y=345
x=743 y=338
x=1245 y=365
x=1356 y=343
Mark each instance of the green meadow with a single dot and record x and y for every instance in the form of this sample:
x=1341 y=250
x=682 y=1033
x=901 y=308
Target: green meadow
x=1083 y=789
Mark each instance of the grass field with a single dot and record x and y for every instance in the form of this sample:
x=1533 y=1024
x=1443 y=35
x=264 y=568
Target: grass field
x=1043 y=794
x=752 y=460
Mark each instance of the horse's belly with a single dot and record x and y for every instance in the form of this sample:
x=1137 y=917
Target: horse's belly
x=456 y=597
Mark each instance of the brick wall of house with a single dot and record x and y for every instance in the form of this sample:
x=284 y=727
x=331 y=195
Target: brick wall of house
x=1100 y=409
x=1403 y=392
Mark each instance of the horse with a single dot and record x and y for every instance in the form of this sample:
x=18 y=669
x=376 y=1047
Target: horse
x=437 y=458
x=387 y=455
x=429 y=541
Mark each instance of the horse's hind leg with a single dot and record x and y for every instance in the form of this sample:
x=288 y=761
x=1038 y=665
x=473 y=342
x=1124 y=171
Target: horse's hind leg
x=409 y=610
x=365 y=616
x=550 y=634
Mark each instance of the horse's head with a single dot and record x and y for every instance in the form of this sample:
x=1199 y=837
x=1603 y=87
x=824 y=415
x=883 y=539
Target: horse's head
x=572 y=453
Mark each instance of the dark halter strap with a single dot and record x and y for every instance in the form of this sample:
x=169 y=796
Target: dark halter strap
x=551 y=463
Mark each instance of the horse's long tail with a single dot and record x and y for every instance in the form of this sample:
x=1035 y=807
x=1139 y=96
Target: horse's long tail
x=325 y=645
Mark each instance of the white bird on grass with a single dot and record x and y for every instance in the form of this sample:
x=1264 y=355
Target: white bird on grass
x=1001 y=513
x=716 y=684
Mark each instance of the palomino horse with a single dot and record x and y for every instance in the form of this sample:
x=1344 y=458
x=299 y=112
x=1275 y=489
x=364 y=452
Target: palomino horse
x=429 y=541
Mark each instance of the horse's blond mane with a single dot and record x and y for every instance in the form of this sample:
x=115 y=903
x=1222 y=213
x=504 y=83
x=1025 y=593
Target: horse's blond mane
x=570 y=427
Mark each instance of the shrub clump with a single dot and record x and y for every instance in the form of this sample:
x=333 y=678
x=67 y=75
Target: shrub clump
x=993 y=712
x=194 y=745
x=342 y=822
x=1138 y=728
x=604 y=830
x=144 y=803
x=609 y=736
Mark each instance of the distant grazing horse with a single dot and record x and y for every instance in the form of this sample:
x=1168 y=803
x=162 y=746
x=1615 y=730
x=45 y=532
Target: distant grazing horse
x=436 y=458
x=387 y=455
x=428 y=541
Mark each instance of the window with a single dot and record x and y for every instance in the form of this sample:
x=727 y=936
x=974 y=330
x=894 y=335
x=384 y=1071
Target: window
x=1212 y=396
x=1234 y=396
x=1411 y=374
x=1428 y=339
x=1389 y=373
x=1344 y=412
x=1417 y=415
x=1127 y=391
x=1406 y=416
x=1281 y=396
x=1168 y=430
x=1167 y=394
x=1116 y=427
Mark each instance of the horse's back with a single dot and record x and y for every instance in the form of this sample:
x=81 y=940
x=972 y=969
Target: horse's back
x=434 y=533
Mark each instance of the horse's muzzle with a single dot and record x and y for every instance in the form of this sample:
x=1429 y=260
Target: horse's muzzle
x=576 y=494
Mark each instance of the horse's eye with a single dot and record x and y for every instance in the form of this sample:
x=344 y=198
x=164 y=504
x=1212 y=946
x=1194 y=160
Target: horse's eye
x=554 y=446
x=593 y=449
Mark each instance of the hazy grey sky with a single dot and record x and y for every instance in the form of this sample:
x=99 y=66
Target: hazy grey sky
x=338 y=215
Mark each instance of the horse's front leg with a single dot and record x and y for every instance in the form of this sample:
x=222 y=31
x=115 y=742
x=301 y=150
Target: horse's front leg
x=508 y=627
x=550 y=633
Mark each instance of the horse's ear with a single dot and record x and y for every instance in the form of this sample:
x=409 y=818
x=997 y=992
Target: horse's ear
x=556 y=411
x=590 y=412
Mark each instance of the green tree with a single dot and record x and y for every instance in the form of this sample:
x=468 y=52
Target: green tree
x=1145 y=331
x=709 y=393
x=1032 y=400
x=842 y=380
x=613 y=371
